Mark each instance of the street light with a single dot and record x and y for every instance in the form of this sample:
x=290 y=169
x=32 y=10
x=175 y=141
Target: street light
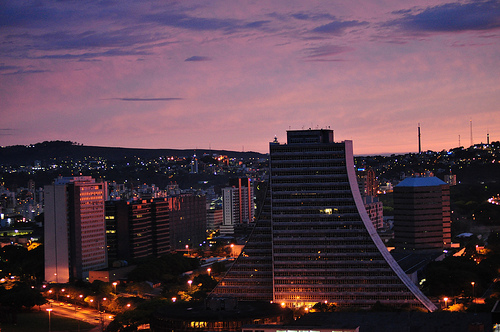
x=209 y=270
x=473 y=284
x=190 y=282
x=76 y=300
x=114 y=285
x=445 y=302
x=49 y=310
x=99 y=302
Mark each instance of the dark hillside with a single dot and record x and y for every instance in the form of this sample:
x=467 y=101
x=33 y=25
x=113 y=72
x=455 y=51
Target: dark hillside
x=47 y=152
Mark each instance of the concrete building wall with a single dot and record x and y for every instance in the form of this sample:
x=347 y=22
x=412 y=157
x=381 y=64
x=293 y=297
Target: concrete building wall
x=56 y=235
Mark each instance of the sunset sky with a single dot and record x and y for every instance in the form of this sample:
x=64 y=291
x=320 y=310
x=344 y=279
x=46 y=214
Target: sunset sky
x=234 y=74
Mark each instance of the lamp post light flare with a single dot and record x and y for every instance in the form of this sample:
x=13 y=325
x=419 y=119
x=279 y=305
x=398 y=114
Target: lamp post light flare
x=49 y=310
x=473 y=284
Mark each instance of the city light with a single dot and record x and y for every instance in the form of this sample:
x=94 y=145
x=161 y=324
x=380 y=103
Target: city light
x=49 y=310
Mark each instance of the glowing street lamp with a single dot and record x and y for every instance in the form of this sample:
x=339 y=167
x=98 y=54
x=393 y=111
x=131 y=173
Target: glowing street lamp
x=190 y=282
x=174 y=299
x=473 y=284
x=114 y=285
x=209 y=270
x=445 y=302
x=49 y=310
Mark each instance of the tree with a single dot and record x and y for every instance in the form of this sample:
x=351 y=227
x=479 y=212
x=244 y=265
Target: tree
x=21 y=295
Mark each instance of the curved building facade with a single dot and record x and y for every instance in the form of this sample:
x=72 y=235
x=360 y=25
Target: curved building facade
x=314 y=241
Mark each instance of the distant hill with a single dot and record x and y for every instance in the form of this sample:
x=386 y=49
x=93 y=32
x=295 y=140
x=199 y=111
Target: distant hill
x=59 y=150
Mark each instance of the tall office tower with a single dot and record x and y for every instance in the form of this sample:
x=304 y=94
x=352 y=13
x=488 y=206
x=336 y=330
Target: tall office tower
x=74 y=228
x=375 y=210
x=238 y=204
x=129 y=229
x=313 y=241
x=137 y=228
x=215 y=215
x=160 y=217
x=422 y=214
x=188 y=220
x=367 y=182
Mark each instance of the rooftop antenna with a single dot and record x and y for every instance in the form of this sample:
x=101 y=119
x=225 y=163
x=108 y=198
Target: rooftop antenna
x=488 y=136
x=419 y=142
x=471 y=140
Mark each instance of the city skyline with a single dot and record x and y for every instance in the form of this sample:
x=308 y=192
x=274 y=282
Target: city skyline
x=233 y=74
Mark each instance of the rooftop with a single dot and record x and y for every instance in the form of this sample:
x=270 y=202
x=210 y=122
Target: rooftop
x=421 y=182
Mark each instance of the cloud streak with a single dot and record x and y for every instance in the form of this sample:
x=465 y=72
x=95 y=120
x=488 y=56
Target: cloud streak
x=451 y=17
x=339 y=27
x=146 y=99
x=198 y=58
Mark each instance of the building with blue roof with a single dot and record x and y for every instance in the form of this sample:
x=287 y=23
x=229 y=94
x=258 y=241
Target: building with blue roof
x=422 y=219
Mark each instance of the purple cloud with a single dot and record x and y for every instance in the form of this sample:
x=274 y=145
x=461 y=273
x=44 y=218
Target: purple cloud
x=6 y=131
x=478 y=15
x=198 y=58
x=26 y=71
x=312 y=17
x=325 y=51
x=338 y=27
x=147 y=99
x=192 y=23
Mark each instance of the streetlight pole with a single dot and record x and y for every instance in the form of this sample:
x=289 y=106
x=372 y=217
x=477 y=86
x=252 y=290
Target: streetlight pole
x=445 y=302
x=49 y=310
x=473 y=283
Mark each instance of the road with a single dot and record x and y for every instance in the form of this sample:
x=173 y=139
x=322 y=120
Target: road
x=88 y=315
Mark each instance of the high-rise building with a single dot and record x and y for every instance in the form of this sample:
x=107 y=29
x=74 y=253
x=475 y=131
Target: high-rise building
x=375 y=210
x=74 y=228
x=215 y=216
x=153 y=227
x=238 y=205
x=367 y=182
x=313 y=241
x=129 y=229
x=137 y=228
x=422 y=214
x=188 y=220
